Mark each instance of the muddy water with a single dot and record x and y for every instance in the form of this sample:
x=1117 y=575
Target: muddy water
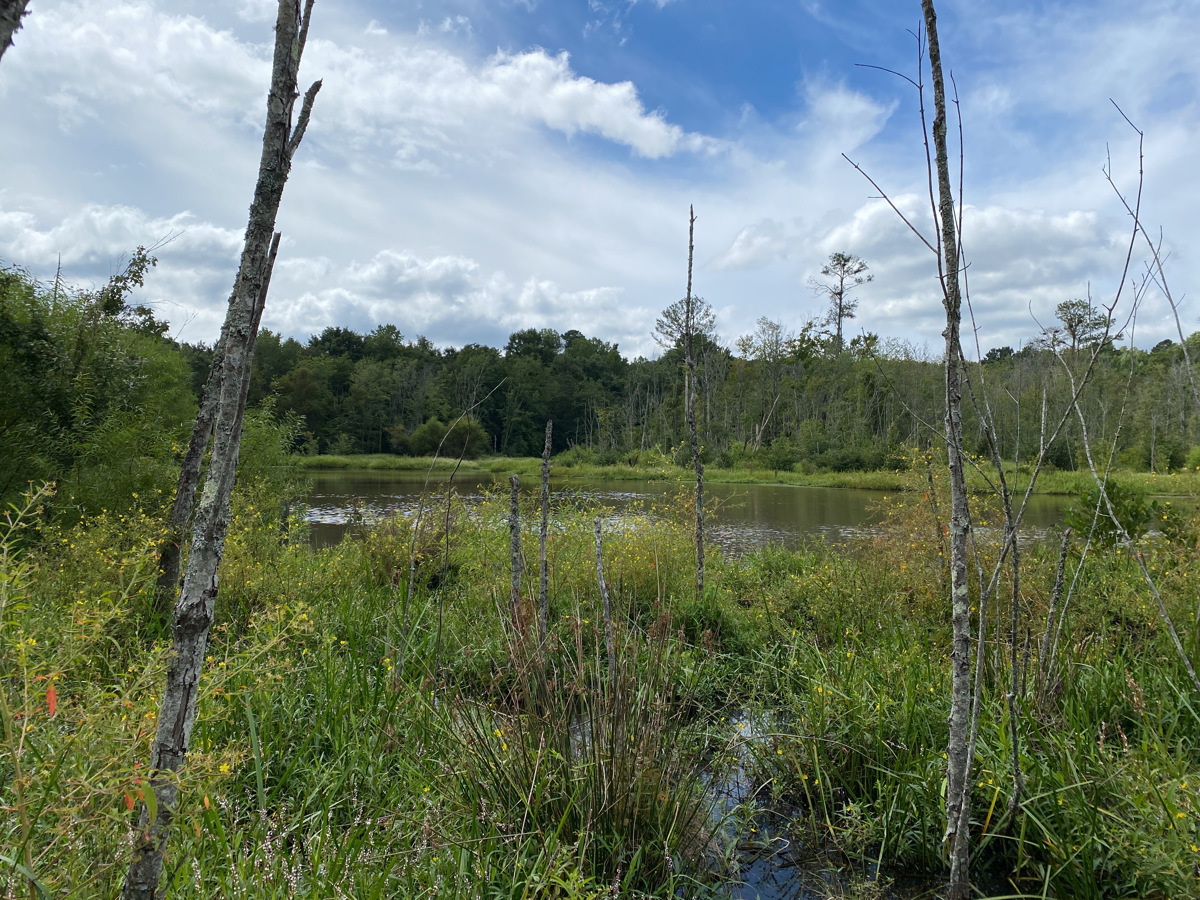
x=769 y=859
x=747 y=515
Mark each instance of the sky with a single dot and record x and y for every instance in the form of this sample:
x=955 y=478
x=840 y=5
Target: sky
x=475 y=167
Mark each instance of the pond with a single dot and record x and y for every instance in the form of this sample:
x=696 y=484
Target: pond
x=747 y=515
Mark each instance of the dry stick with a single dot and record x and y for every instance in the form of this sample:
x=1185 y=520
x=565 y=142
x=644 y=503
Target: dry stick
x=399 y=649
x=1012 y=522
x=543 y=534
x=1052 y=613
x=1137 y=555
x=441 y=592
x=194 y=610
x=1112 y=453
x=689 y=322
x=609 y=640
x=1062 y=616
x=1160 y=275
x=514 y=536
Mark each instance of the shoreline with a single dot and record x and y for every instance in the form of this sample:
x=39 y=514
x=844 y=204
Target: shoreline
x=1174 y=484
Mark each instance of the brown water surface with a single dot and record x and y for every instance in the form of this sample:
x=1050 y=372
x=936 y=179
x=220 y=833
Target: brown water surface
x=747 y=515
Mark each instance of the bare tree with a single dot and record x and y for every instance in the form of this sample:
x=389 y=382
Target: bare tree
x=945 y=247
x=11 y=14
x=845 y=273
x=769 y=345
x=195 y=607
x=958 y=761
x=685 y=320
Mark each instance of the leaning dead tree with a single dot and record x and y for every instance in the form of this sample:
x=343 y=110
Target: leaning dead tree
x=11 y=13
x=226 y=403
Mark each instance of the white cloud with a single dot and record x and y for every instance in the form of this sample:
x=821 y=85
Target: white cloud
x=428 y=98
x=443 y=296
x=755 y=246
x=455 y=24
x=465 y=196
x=845 y=118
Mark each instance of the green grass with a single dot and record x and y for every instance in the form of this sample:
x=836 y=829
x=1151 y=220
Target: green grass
x=352 y=741
x=655 y=467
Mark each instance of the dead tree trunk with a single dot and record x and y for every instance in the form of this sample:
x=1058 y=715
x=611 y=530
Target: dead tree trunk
x=1044 y=673
x=170 y=556
x=957 y=752
x=193 y=614
x=690 y=402
x=11 y=13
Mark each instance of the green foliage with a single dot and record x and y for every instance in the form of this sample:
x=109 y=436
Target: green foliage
x=463 y=439
x=91 y=395
x=1128 y=502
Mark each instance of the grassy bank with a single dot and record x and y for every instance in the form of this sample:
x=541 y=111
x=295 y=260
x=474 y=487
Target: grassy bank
x=655 y=467
x=355 y=740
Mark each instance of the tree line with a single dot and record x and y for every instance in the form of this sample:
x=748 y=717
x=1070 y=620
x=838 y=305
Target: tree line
x=96 y=396
x=776 y=398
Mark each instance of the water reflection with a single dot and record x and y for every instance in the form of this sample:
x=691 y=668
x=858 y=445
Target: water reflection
x=747 y=515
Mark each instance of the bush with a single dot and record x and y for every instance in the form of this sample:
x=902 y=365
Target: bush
x=1128 y=502
x=464 y=438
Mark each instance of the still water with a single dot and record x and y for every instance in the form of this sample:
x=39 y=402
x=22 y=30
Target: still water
x=747 y=515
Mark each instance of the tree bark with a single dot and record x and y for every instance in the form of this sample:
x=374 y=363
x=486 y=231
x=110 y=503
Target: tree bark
x=690 y=402
x=170 y=558
x=194 y=609
x=11 y=14
x=958 y=795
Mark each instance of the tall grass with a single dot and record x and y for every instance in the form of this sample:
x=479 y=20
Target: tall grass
x=324 y=768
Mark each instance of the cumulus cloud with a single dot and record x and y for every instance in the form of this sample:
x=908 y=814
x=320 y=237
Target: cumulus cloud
x=463 y=195
x=755 y=246
x=845 y=118
x=443 y=297
x=428 y=100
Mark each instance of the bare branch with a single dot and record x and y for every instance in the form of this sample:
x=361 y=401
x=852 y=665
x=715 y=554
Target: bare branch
x=895 y=209
x=302 y=124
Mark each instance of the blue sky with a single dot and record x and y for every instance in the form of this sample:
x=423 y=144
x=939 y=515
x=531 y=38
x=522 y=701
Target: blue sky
x=478 y=166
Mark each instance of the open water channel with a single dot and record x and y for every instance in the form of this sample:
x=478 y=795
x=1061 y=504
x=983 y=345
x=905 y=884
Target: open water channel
x=747 y=515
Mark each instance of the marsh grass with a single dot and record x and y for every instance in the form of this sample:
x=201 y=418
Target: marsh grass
x=657 y=467
x=323 y=768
